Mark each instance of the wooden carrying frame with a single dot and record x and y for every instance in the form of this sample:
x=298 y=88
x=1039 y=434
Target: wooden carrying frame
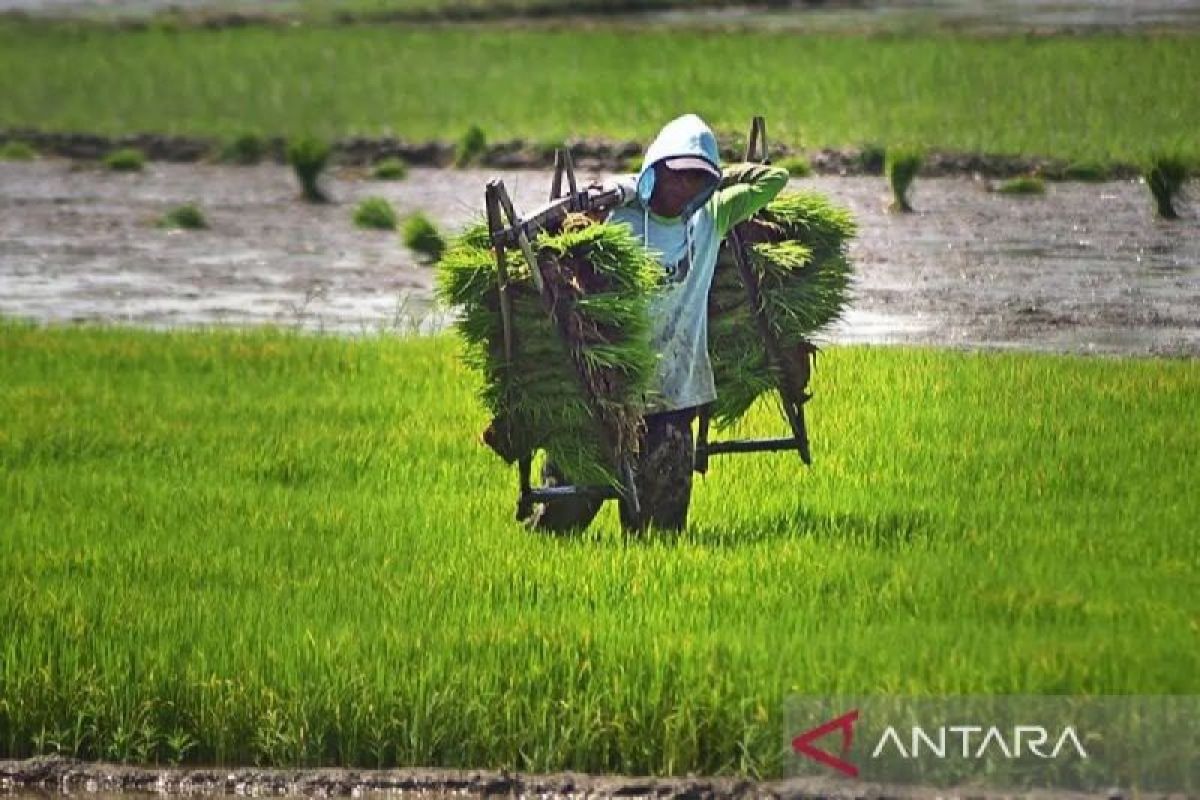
x=792 y=397
x=519 y=232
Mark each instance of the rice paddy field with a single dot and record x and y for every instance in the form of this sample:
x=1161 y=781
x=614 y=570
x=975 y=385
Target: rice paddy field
x=257 y=545
x=268 y=547
x=1103 y=97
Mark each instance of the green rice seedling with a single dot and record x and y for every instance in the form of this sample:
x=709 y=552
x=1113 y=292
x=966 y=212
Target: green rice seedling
x=471 y=147
x=798 y=250
x=901 y=165
x=1165 y=176
x=126 y=159
x=178 y=744
x=375 y=212
x=581 y=361
x=16 y=150
x=796 y=165
x=391 y=168
x=422 y=237
x=1088 y=171
x=1024 y=184
x=308 y=156
x=187 y=216
x=246 y=148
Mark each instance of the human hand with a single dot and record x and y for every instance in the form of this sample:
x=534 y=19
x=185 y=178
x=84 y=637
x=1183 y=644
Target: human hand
x=609 y=189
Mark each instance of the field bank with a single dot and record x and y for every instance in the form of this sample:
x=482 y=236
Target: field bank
x=260 y=546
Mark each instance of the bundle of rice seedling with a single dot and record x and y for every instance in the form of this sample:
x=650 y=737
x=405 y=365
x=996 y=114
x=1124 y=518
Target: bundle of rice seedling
x=582 y=356
x=797 y=246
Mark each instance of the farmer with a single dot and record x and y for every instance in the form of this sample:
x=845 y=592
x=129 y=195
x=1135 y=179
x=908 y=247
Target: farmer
x=680 y=205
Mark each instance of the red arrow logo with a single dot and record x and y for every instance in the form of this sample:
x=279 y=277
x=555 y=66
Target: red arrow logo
x=802 y=744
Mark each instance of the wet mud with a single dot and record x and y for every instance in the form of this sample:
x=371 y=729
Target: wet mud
x=1084 y=268
x=38 y=777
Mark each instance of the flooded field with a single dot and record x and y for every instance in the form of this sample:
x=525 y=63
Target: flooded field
x=1085 y=268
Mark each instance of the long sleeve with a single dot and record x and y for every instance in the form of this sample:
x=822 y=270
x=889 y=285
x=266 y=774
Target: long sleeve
x=745 y=189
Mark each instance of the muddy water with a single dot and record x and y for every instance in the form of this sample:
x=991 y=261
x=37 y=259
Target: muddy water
x=81 y=244
x=1086 y=268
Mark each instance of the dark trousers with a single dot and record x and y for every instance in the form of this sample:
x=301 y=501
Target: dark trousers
x=662 y=476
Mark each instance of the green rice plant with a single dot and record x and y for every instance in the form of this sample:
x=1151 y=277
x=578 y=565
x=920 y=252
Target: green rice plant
x=308 y=156
x=471 y=147
x=375 y=212
x=394 y=81
x=391 y=168
x=187 y=216
x=126 y=159
x=344 y=584
x=901 y=165
x=1088 y=171
x=178 y=744
x=245 y=148
x=422 y=237
x=796 y=165
x=575 y=383
x=797 y=247
x=1165 y=176
x=17 y=150
x=1024 y=184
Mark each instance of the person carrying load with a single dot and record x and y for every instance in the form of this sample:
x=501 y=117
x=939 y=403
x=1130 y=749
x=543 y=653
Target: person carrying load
x=681 y=205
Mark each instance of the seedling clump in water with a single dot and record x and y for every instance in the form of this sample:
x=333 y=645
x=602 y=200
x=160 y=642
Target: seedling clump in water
x=375 y=212
x=127 y=159
x=187 y=216
x=1025 y=184
x=308 y=156
x=1165 y=176
x=421 y=236
x=390 y=169
x=901 y=166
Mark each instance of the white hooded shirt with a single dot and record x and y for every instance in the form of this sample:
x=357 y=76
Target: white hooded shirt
x=687 y=246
